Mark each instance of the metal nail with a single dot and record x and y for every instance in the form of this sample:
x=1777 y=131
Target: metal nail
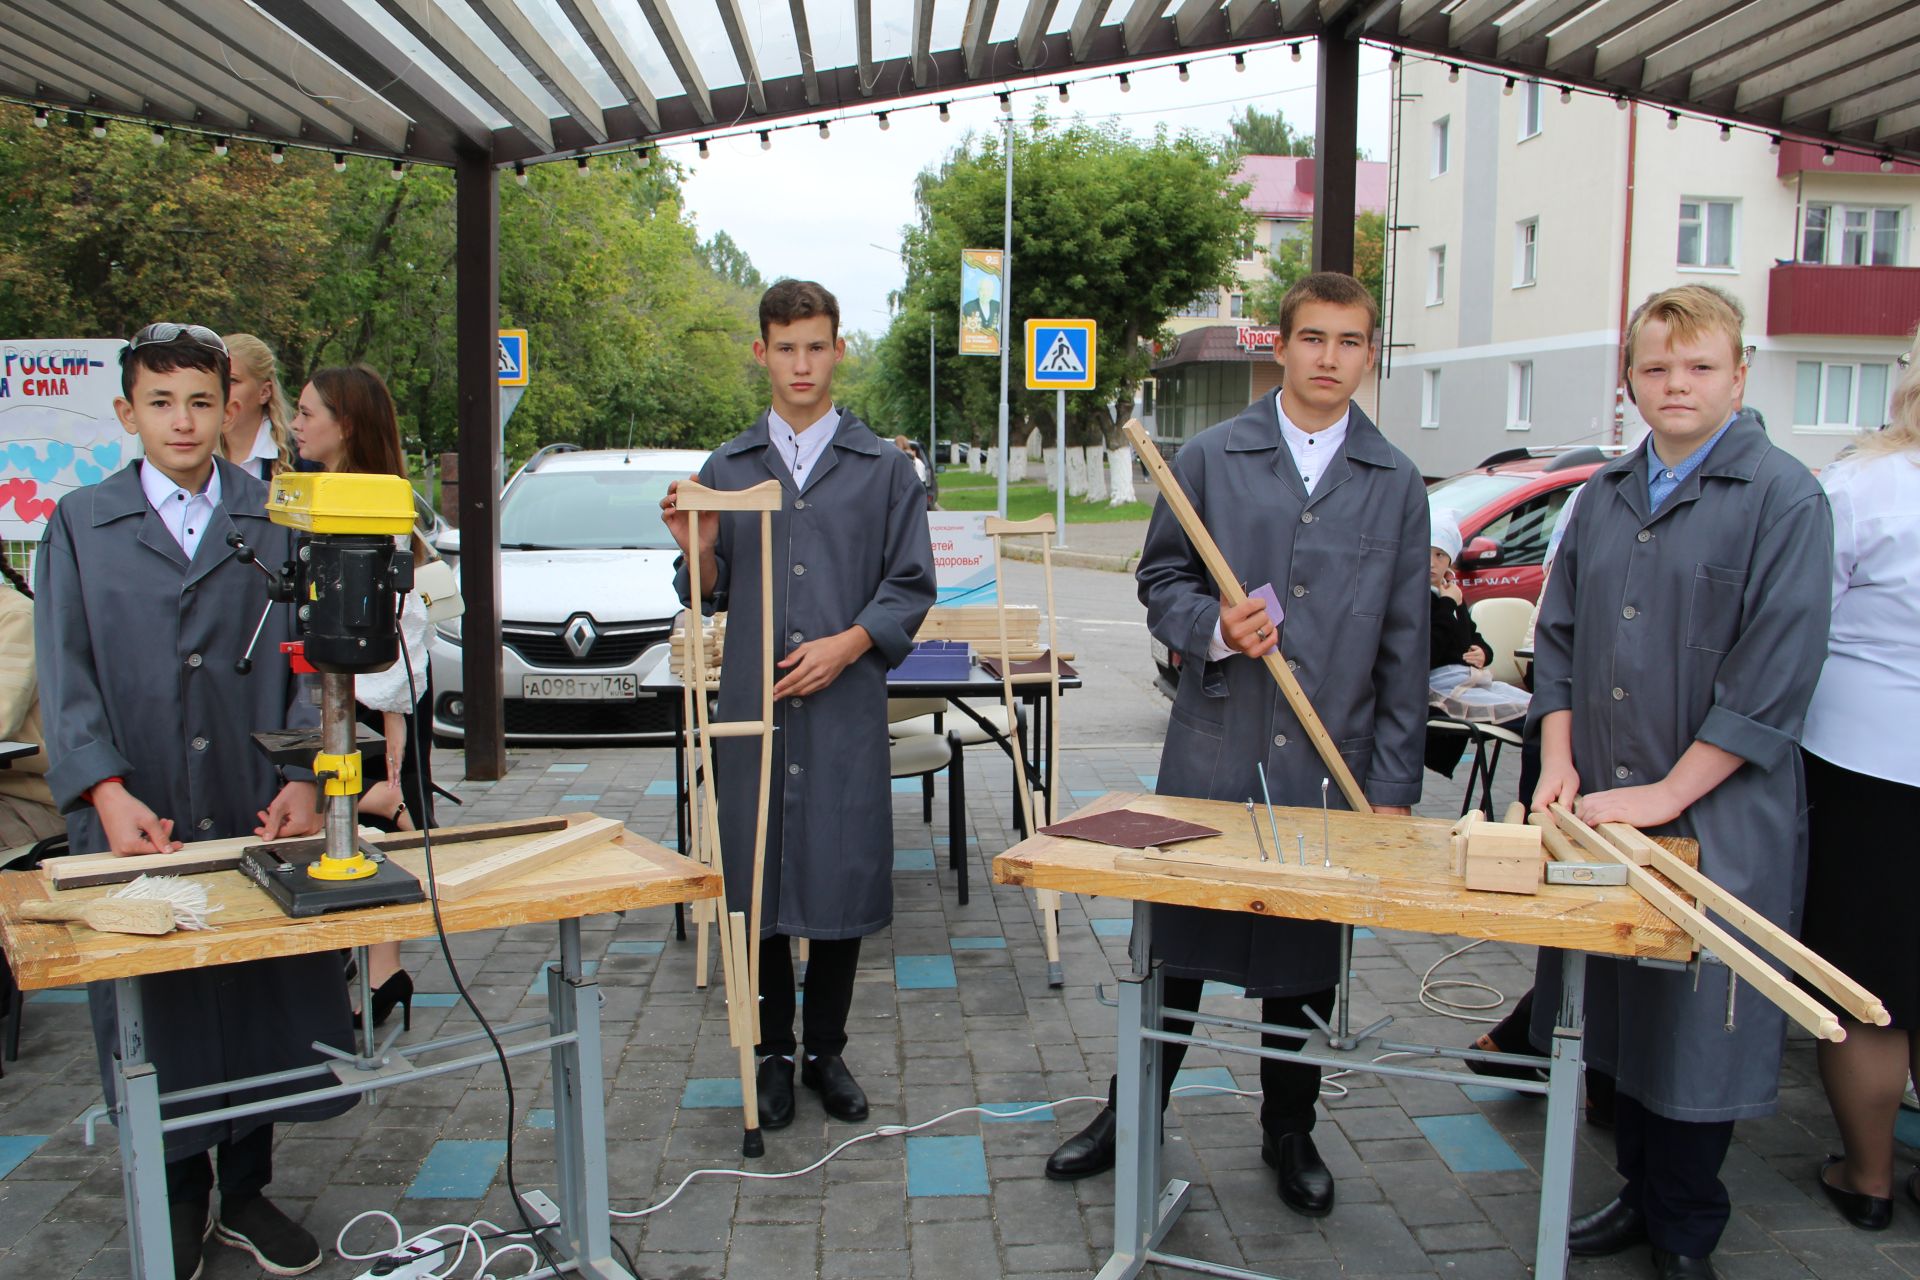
x=1272 y=823
x=1301 y=838
x=1255 y=823
x=1733 y=985
x=1326 y=824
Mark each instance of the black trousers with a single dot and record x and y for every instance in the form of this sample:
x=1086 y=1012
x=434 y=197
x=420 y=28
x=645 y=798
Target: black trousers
x=1672 y=1168
x=246 y=1167
x=830 y=966
x=1289 y=1089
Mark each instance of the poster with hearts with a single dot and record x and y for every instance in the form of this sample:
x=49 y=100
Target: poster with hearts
x=57 y=426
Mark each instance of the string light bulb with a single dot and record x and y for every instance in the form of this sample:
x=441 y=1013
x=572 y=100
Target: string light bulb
x=642 y=157
x=1006 y=104
x=580 y=165
x=99 y=127
x=1185 y=74
x=220 y=147
x=885 y=124
x=520 y=174
x=1773 y=145
x=946 y=112
x=279 y=154
x=1294 y=49
x=39 y=117
x=1239 y=62
x=158 y=137
x=1453 y=73
x=1620 y=101
x=1064 y=95
x=398 y=171
x=766 y=140
x=1726 y=133
x=1886 y=164
x=705 y=151
x=825 y=132
x=1826 y=155
x=1507 y=90
x=339 y=162
x=1566 y=94
x=1126 y=85
x=1673 y=119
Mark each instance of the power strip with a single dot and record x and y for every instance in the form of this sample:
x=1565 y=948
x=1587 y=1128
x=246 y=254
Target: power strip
x=418 y=1258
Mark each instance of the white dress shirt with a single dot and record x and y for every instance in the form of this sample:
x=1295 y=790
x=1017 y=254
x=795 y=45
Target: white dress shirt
x=185 y=514
x=1865 y=714
x=1312 y=451
x=259 y=462
x=801 y=450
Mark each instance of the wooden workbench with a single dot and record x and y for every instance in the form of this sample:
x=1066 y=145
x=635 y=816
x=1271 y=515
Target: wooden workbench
x=1404 y=880
x=624 y=874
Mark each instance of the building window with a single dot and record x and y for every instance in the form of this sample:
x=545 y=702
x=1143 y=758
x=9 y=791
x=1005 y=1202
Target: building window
x=1706 y=233
x=1850 y=235
x=1442 y=137
x=1204 y=307
x=1430 y=398
x=1520 y=395
x=1530 y=111
x=1237 y=306
x=1436 y=275
x=1526 y=252
x=1279 y=232
x=1839 y=397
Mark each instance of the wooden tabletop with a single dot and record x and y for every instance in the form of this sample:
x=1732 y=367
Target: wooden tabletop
x=626 y=873
x=1403 y=880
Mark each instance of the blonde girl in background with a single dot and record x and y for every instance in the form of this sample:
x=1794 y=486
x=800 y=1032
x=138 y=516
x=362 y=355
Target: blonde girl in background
x=255 y=436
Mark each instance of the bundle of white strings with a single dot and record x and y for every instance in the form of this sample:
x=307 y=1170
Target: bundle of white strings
x=188 y=898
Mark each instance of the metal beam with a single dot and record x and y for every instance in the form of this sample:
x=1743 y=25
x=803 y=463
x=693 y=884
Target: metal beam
x=1141 y=16
x=1188 y=17
x=1472 y=18
x=1033 y=29
x=1585 y=34
x=82 y=81
x=543 y=62
x=1871 y=106
x=1784 y=45
x=659 y=15
x=1534 y=24
x=1331 y=10
x=809 y=73
x=448 y=41
x=975 y=33
x=863 y=42
x=145 y=57
x=334 y=28
x=1410 y=13
x=1240 y=13
x=1086 y=26
x=590 y=23
x=1662 y=28
x=923 y=43
x=476 y=257
x=1892 y=73
x=1752 y=24
x=1894 y=125
x=1336 y=139
x=1825 y=61
x=743 y=55
x=42 y=77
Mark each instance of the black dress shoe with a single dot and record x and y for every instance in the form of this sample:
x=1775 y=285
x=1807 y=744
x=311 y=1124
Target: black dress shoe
x=840 y=1093
x=1607 y=1230
x=192 y=1223
x=1676 y=1266
x=1087 y=1152
x=774 y=1083
x=1305 y=1185
x=1869 y=1213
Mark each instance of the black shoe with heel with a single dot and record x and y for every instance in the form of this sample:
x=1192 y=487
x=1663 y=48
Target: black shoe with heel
x=1869 y=1213
x=397 y=990
x=1615 y=1227
x=1306 y=1185
x=1087 y=1152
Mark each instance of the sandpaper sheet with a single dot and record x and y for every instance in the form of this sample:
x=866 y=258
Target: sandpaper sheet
x=1037 y=667
x=1128 y=829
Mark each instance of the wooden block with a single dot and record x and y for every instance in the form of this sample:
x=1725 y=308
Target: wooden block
x=1498 y=874
x=85 y=870
x=693 y=496
x=1516 y=813
x=736 y=729
x=510 y=864
x=149 y=917
x=1000 y=527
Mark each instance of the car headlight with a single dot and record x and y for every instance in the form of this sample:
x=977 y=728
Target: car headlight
x=448 y=630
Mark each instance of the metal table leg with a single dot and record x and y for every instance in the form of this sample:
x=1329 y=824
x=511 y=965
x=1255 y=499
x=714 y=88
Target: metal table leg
x=579 y=1115
x=1142 y=1211
x=143 y=1148
x=1563 y=1094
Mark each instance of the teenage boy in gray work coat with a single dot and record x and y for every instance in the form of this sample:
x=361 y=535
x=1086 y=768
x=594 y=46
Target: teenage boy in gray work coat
x=1679 y=642
x=1302 y=491
x=852 y=580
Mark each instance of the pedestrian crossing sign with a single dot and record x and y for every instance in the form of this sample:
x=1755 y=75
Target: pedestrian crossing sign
x=512 y=360
x=1060 y=355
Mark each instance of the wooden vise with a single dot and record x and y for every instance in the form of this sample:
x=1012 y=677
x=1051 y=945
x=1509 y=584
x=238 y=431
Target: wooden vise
x=1499 y=857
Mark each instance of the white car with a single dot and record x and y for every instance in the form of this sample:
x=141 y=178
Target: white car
x=586 y=595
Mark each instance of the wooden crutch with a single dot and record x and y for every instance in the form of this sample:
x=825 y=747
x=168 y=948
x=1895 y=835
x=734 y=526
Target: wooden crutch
x=1048 y=900
x=1233 y=593
x=740 y=938
x=707 y=911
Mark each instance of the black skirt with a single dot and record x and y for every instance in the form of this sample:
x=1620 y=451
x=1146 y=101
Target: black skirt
x=1863 y=877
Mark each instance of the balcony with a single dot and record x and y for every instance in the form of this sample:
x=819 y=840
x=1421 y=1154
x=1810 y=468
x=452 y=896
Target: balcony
x=1854 y=302
x=1806 y=157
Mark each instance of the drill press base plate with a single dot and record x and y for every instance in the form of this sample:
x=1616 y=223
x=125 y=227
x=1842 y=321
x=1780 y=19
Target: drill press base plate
x=282 y=872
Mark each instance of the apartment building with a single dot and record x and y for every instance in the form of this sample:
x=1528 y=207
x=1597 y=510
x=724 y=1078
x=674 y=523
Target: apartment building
x=1533 y=220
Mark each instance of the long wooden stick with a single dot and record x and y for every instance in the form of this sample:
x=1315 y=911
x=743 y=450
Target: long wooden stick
x=1761 y=976
x=1233 y=593
x=1860 y=1003
x=705 y=910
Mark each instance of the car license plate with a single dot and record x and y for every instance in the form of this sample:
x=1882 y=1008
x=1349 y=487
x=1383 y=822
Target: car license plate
x=580 y=688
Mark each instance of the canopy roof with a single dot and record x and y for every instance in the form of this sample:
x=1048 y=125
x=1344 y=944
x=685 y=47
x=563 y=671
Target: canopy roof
x=522 y=80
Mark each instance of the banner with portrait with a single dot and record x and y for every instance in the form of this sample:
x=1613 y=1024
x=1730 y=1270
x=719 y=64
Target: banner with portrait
x=982 y=302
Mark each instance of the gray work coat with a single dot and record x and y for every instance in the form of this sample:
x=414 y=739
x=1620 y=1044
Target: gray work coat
x=852 y=549
x=1707 y=621
x=136 y=650
x=1349 y=564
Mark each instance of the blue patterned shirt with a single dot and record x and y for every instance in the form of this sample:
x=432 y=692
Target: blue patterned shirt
x=1663 y=480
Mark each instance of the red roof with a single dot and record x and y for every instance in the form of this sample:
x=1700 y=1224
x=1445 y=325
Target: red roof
x=1283 y=186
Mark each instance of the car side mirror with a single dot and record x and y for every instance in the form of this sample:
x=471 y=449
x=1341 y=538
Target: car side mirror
x=1480 y=553
x=448 y=543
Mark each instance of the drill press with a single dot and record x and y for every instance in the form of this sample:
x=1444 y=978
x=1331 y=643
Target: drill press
x=344 y=583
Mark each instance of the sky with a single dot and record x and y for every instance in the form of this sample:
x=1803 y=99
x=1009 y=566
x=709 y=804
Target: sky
x=833 y=209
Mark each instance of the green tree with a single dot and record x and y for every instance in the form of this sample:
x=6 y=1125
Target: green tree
x=730 y=262
x=1294 y=258
x=1105 y=227
x=1266 y=133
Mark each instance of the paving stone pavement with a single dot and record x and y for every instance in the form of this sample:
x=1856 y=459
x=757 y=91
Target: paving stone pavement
x=951 y=1009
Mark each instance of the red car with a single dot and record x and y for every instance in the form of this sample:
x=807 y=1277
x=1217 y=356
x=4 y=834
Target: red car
x=1508 y=508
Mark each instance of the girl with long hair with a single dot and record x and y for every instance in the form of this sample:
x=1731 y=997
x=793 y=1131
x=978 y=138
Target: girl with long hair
x=256 y=434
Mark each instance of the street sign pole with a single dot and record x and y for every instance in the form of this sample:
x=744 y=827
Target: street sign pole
x=1006 y=311
x=1060 y=458
x=933 y=442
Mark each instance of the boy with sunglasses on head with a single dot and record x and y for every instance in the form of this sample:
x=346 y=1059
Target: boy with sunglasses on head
x=144 y=614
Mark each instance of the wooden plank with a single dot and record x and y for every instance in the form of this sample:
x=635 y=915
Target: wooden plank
x=694 y=496
x=522 y=859
x=85 y=870
x=1589 y=839
x=734 y=729
x=1232 y=592
x=443 y=836
x=1237 y=869
x=1001 y=527
x=1763 y=977
x=1858 y=1002
x=1412 y=887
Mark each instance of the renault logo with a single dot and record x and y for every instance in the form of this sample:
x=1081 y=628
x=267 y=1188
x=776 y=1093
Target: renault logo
x=580 y=635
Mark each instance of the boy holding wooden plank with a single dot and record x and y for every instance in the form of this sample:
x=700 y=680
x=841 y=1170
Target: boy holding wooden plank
x=144 y=613
x=1678 y=645
x=1301 y=491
